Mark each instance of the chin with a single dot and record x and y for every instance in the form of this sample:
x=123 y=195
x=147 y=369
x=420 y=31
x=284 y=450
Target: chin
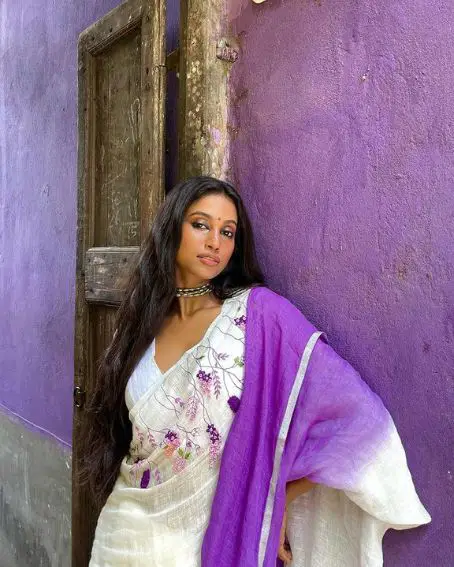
x=211 y=272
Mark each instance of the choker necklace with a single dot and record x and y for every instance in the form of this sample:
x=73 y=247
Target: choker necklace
x=193 y=291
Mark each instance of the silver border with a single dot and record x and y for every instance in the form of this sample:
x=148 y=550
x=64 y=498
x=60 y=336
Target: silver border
x=280 y=445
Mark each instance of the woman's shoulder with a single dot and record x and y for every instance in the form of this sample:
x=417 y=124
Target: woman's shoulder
x=272 y=301
x=274 y=313
x=264 y=298
x=273 y=305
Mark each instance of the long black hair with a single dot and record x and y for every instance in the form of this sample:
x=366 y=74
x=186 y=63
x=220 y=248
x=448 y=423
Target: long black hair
x=149 y=297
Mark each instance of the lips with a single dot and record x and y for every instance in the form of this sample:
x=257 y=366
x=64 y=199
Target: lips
x=209 y=260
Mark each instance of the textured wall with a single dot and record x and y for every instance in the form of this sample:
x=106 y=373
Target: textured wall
x=38 y=150
x=341 y=114
x=35 y=498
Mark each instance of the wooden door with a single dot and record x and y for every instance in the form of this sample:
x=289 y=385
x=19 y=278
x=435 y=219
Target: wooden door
x=120 y=186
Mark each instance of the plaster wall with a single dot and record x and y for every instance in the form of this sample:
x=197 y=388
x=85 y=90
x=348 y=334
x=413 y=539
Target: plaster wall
x=38 y=156
x=35 y=498
x=342 y=145
x=38 y=185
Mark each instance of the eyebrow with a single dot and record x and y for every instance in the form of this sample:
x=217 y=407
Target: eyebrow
x=201 y=213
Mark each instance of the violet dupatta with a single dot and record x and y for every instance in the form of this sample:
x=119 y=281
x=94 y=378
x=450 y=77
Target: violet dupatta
x=304 y=412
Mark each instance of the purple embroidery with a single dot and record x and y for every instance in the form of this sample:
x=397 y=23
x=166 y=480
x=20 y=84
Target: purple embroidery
x=179 y=463
x=171 y=436
x=240 y=322
x=192 y=407
x=205 y=381
x=203 y=376
x=221 y=355
x=206 y=387
x=145 y=479
x=234 y=403
x=214 y=433
x=217 y=384
x=215 y=445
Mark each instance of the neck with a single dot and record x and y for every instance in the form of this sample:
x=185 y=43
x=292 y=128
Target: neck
x=201 y=289
x=188 y=306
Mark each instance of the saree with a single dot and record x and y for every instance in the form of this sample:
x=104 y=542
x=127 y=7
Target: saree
x=159 y=508
x=275 y=403
x=305 y=412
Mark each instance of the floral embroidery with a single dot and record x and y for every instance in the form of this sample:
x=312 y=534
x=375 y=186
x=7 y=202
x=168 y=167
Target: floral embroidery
x=157 y=475
x=192 y=407
x=151 y=440
x=171 y=442
x=214 y=433
x=239 y=361
x=215 y=445
x=217 y=384
x=205 y=381
x=135 y=468
x=145 y=479
x=172 y=437
x=179 y=463
x=240 y=322
x=181 y=458
x=192 y=410
x=220 y=355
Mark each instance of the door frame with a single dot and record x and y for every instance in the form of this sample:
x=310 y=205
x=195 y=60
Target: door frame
x=149 y=16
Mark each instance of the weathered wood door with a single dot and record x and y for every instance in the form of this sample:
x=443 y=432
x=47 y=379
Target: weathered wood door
x=120 y=186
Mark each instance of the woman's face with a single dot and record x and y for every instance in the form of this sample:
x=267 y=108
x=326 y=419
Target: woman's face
x=207 y=240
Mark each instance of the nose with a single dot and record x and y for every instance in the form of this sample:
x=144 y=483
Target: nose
x=213 y=240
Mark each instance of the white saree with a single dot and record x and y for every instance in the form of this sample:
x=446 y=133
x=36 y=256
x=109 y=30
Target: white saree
x=158 y=511
x=304 y=412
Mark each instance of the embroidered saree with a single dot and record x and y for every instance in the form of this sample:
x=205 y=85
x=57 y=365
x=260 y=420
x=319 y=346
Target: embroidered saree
x=159 y=508
x=301 y=411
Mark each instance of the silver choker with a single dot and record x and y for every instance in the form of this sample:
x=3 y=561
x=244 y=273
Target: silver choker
x=193 y=291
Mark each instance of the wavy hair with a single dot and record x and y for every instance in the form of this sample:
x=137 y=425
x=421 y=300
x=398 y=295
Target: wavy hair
x=149 y=298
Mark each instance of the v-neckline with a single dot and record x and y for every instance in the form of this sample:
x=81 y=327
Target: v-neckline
x=187 y=352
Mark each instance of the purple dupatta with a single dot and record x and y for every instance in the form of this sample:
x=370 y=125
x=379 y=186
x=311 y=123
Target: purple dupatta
x=304 y=412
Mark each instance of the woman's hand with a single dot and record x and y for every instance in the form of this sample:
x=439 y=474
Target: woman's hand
x=284 y=552
x=293 y=490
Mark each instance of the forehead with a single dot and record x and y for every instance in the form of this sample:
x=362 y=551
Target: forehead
x=215 y=205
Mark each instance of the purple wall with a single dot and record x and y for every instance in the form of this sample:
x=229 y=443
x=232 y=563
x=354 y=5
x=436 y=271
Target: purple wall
x=343 y=152
x=38 y=145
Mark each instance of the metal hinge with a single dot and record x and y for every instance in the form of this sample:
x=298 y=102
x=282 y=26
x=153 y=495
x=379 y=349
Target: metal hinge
x=79 y=397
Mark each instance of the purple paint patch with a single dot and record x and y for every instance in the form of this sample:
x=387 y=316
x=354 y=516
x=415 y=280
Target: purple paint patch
x=216 y=135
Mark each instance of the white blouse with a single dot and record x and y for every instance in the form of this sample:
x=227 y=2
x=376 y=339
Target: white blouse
x=146 y=376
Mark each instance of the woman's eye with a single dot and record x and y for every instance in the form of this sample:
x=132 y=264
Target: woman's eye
x=198 y=225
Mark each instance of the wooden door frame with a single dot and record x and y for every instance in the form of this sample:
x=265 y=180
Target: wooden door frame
x=203 y=149
x=207 y=54
x=149 y=15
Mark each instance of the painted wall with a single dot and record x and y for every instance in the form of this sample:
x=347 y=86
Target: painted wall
x=38 y=145
x=35 y=498
x=341 y=114
x=38 y=195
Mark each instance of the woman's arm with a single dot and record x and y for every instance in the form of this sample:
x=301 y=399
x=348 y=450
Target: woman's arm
x=293 y=489
x=298 y=487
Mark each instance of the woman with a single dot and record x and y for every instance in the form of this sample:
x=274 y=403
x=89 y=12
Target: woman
x=226 y=432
